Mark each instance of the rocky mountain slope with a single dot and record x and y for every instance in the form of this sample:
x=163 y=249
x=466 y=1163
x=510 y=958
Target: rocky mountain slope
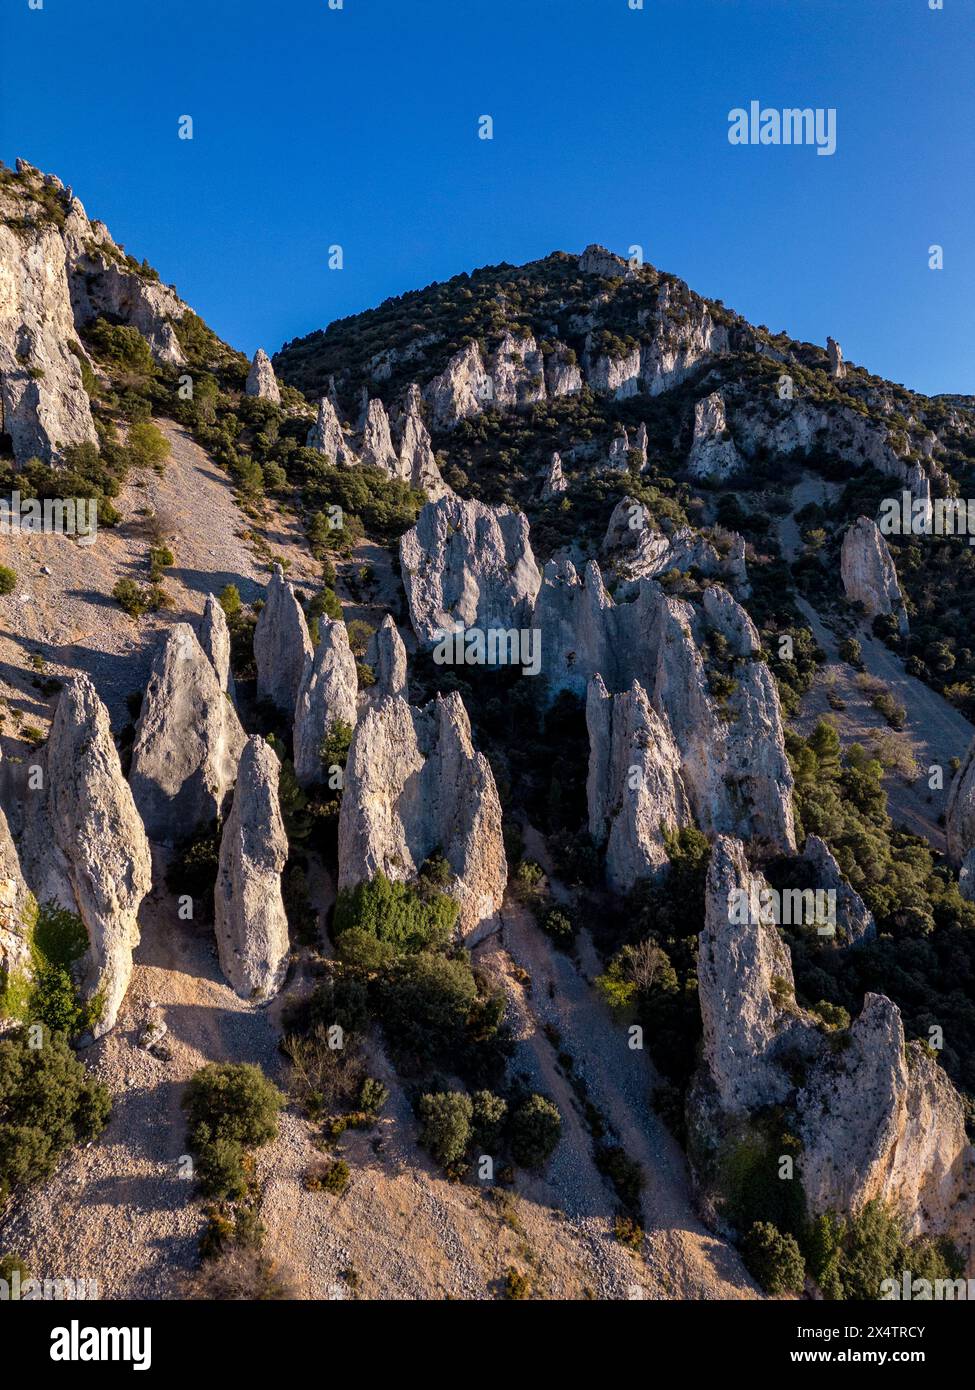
x=426 y=703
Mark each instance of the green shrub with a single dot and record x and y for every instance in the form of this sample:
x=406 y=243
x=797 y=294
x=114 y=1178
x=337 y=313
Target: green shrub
x=328 y=1175
x=774 y=1258
x=160 y=558
x=445 y=1125
x=373 y=1096
x=535 y=1129
x=11 y=1264
x=8 y=580
x=47 y=1103
x=136 y=600
x=148 y=446
x=487 y=1120
x=560 y=927
x=47 y=993
x=122 y=347
x=220 y=1169
x=624 y=1173
x=192 y=872
x=424 y=1003
x=396 y=914
x=231 y=1100
x=851 y=651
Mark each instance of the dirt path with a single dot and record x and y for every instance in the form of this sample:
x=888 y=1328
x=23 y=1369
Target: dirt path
x=682 y=1258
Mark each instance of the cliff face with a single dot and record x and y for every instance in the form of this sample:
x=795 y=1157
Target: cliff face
x=326 y=697
x=282 y=645
x=261 y=381
x=15 y=906
x=467 y=563
x=732 y=752
x=58 y=272
x=43 y=405
x=746 y=990
x=188 y=742
x=386 y=657
x=249 y=917
x=713 y=453
x=634 y=788
x=637 y=551
x=84 y=845
x=868 y=572
x=415 y=784
x=883 y=1121
x=875 y=1120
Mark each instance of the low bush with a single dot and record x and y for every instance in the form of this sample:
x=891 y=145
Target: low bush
x=230 y=1107
x=445 y=1125
x=536 y=1126
x=774 y=1258
x=48 y=1102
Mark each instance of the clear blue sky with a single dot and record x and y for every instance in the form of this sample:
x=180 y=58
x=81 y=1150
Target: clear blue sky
x=358 y=127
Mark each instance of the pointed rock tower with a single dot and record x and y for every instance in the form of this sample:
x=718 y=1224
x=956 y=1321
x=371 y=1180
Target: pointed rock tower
x=261 y=381
x=281 y=645
x=249 y=917
x=188 y=742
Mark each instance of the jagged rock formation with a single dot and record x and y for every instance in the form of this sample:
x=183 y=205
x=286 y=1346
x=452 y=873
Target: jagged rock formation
x=854 y=920
x=517 y=371
x=868 y=572
x=746 y=989
x=675 y=336
x=800 y=427
x=713 y=454
x=58 y=272
x=619 y=377
x=837 y=367
x=105 y=284
x=733 y=758
x=249 y=917
x=642 y=553
x=386 y=657
x=377 y=442
x=415 y=784
x=554 y=483
x=562 y=374
x=960 y=823
x=417 y=463
x=326 y=696
x=43 y=405
x=596 y=260
x=215 y=641
x=634 y=787
x=188 y=742
x=84 y=846
x=326 y=434
x=281 y=645
x=464 y=562
x=883 y=1121
x=874 y=1120
x=460 y=390
x=261 y=380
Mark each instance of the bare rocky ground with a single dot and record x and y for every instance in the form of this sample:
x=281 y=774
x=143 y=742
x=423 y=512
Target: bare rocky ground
x=935 y=731
x=68 y=618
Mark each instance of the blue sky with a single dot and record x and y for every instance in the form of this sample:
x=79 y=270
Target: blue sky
x=358 y=126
